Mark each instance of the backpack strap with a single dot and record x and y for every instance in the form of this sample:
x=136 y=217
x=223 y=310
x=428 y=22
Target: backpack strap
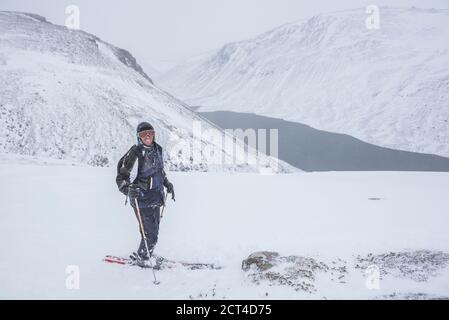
x=139 y=159
x=125 y=166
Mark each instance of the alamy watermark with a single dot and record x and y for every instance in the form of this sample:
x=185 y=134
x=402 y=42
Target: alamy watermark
x=372 y=274
x=72 y=20
x=233 y=147
x=373 y=20
x=72 y=282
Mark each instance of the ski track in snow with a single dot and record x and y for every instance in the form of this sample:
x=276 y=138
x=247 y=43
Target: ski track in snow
x=56 y=215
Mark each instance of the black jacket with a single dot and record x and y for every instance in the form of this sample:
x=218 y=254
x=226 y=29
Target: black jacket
x=151 y=177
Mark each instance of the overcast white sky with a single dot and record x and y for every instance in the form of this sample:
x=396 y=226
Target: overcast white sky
x=161 y=33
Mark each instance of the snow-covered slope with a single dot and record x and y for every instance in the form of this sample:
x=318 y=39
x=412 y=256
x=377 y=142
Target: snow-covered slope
x=387 y=86
x=69 y=95
x=150 y=70
x=325 y=216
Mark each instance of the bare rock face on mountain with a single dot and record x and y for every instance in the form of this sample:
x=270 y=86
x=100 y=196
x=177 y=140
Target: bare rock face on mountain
x=387 y=86
x=67 y=94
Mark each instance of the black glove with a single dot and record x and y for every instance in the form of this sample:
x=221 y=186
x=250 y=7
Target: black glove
x=170 y=188
x=133 y=191
x=124 y=188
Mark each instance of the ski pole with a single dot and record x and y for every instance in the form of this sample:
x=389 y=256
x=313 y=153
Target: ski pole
x=163 y=207
x=145 y=240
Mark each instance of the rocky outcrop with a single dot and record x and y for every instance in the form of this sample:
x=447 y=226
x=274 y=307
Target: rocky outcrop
x=298 y=272
x=303 y=274
x=418 y=265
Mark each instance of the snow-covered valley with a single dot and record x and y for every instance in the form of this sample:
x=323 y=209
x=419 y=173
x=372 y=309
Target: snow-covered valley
x=388 y=86
x=60 y=214
x=69 y=106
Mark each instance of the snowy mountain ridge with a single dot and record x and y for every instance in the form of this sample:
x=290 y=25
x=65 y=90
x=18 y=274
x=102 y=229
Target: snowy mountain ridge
x=66 y=94
x=386 y=86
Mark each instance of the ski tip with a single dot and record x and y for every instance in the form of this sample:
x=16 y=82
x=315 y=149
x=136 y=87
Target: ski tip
x=157 y=282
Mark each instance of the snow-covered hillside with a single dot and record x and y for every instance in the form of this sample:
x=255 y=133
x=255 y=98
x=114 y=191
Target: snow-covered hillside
x=59 y=218
x=387 y=86
x=67 y=94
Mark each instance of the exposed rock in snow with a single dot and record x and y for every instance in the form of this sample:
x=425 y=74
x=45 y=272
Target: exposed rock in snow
x=307 y=274
x=412 y=296
x=297 y=272
x=416 y=265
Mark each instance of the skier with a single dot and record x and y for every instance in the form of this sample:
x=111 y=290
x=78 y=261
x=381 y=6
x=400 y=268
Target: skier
x=147 y=187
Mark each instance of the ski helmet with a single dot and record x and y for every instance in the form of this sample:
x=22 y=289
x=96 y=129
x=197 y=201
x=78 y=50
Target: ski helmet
x=143 y=126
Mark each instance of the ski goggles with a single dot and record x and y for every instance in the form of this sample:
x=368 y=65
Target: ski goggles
x=146 y=133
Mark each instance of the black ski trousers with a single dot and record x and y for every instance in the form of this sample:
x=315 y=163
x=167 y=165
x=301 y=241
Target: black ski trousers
x=150 y=219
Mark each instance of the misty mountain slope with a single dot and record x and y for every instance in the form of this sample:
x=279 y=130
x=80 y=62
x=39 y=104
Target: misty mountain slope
x=67 y=94
x=387 y=86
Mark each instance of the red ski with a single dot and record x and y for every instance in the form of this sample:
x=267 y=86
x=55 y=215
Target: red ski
x=162 y=263
x=119 y=260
